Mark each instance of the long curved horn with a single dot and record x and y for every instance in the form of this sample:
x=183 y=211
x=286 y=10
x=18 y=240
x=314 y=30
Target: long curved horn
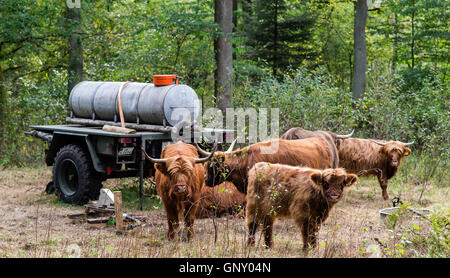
x=410 y=143
x=201 y=160
x=230 y=149
x=200 y=150
x=345 y=136
x=379 y=143
x=154 y=160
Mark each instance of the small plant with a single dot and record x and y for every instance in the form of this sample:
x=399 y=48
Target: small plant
x=439 y=243
x=394 y=218
x=111 y=222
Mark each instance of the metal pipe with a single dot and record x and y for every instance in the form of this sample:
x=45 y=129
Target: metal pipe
x=40 y=134
x=141 y=174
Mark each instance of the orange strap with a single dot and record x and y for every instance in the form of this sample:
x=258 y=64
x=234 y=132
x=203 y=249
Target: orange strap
x=122 y=120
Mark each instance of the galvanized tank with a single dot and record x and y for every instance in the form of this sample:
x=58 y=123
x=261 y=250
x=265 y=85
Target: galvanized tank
x=142 y=103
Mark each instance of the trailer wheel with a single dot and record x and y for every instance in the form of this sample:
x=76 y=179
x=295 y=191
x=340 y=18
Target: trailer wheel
x=74 y=176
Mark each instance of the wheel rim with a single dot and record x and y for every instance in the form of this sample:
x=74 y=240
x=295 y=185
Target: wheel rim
x=68 y=177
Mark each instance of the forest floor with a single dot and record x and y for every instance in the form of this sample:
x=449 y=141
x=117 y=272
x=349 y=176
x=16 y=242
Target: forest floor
x=34 y=224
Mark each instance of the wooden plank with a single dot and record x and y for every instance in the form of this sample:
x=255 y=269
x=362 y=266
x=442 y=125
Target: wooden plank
x=100 y=123
x=118 y=129
x=119 y=214
x=98 y=220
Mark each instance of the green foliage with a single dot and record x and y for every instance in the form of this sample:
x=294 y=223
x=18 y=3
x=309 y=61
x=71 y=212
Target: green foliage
x=133 y=39
x=282 y=30
x=439 y=243
x=393 y=218
x=31 y=104
x=305 y=99
x=417 y=237
x=313 y=101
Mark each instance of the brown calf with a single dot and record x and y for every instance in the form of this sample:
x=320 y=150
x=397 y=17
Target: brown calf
x=306 y=195
x=220 y=200
x=179 y=178
x=373 y=157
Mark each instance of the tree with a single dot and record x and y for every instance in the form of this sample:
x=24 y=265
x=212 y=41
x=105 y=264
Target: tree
x=417 y=31
x=29 y=42
x=279 y=33
x=359 y=49
x=223 y=76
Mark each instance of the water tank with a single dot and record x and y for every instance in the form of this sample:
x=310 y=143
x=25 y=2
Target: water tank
x=142 y=103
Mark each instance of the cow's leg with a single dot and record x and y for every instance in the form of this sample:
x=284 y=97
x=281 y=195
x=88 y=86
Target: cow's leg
x=252 y=220
x=268 y=229
x=189 y=218
x=172 y=221
x=309 y=230
x=252 y=225
x=383 y=184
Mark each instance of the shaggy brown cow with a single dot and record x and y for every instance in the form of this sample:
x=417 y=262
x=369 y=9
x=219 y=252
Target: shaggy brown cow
x=234 y=166
x=220 y=200
x=179 y=178
x=306 y=195
x=373 y=157
x=331 y=138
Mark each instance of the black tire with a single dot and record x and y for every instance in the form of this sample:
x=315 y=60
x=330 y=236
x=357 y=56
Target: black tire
x=74 y=176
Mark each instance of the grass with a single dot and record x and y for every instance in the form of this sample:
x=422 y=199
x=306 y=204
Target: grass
x=34 y=224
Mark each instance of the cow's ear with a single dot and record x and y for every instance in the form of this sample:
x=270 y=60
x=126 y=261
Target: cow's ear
x=350 y=180
x=407 y=151
x=316 y=177
x=161 y=167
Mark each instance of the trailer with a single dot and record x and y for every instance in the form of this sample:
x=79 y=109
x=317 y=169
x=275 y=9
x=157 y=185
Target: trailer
x=83 y=154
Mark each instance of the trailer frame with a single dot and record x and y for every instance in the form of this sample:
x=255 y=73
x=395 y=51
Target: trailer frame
x=103 y=147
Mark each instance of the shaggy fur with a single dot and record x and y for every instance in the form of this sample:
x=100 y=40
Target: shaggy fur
x=306 y=195
x=178 y=182
x=300 y=133
x=364 y=157
x=220 y=200
x=234 y=166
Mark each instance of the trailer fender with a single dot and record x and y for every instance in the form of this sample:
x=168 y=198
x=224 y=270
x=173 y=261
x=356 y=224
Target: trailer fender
x=61 y=139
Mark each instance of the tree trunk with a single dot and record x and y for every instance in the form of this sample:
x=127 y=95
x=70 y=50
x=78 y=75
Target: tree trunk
x=412 y=36
x=235 y=23
x=223 y=75
x=75 y=63
x=359 y=49
x=395 y=44
x=275 y=41
x=3 y=109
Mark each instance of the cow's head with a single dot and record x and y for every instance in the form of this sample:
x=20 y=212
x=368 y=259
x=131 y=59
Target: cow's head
x=394 y=151
x=180 y=170
x=216 y=172
x=332 y=182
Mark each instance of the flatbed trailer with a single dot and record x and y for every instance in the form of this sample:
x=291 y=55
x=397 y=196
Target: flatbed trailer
x=83 y=157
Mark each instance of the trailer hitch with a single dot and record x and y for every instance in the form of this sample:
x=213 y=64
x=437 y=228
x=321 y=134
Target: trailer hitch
x=40 y=134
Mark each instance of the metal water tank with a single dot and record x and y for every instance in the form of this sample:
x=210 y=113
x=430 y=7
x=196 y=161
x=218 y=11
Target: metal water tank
x=142 y=103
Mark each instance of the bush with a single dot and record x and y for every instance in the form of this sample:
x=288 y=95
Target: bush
x=30 y=105
x=387 y=111
x=308 y=100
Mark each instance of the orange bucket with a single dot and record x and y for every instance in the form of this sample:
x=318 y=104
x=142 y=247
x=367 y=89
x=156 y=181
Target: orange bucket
x=162 y=80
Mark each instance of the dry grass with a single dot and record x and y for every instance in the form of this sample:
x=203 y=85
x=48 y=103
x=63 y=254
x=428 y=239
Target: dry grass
x=33 y=224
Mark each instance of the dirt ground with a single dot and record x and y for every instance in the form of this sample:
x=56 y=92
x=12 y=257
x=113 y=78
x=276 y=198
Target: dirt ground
x=34 y=224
